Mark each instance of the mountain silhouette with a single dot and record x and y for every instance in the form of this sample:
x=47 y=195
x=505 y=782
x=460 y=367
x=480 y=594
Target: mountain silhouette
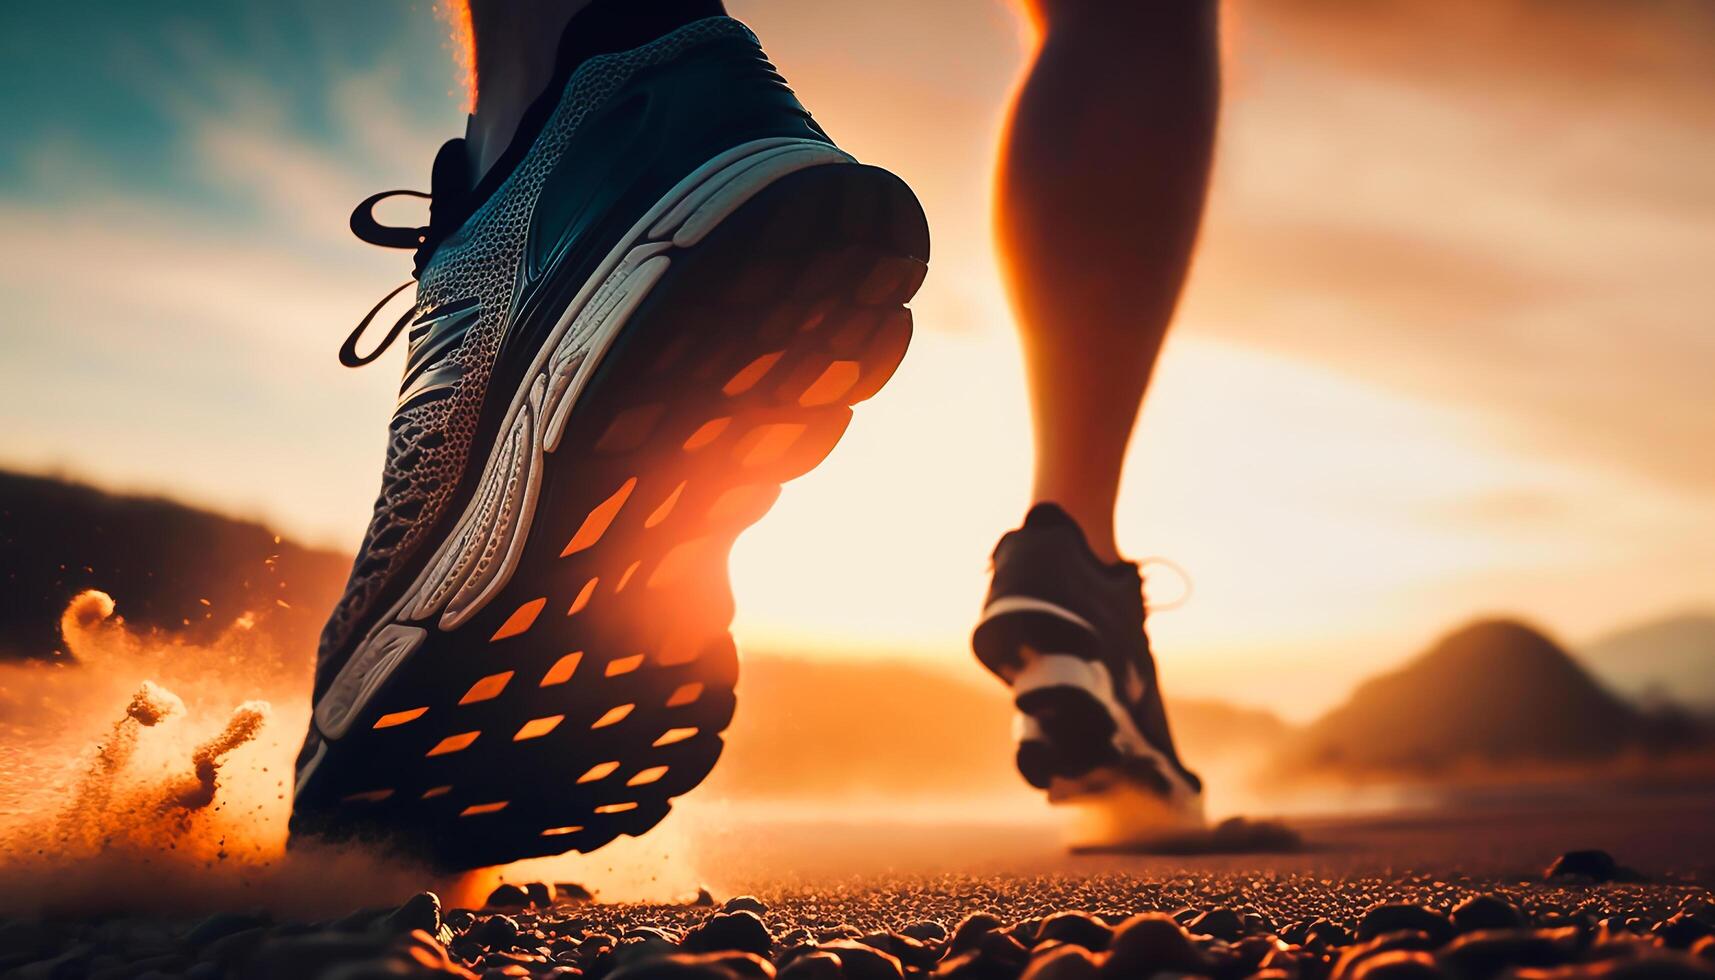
x=170 y=567
x=1667 y=661
x=1492 y=693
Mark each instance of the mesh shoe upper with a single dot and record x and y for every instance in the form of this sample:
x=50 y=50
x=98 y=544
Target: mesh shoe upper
x=472 y=287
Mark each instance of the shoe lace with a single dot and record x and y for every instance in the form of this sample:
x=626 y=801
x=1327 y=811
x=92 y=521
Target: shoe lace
x=450 y=192
x=1184 y=595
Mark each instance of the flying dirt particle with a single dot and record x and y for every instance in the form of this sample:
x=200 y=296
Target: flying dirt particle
x=152 y=704
x=197 y=791
x=87 y=610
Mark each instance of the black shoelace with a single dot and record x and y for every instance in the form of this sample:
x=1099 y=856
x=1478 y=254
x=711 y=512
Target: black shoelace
x=450 y=185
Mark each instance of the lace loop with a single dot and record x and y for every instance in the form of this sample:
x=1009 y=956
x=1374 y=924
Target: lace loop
x=348 y=355
x=1184 y=595
x=365 y=227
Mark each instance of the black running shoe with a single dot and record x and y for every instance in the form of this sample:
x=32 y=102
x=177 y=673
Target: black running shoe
x=1065 y=632
x=659 y=309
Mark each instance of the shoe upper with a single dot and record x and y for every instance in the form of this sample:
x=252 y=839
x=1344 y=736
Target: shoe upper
x=1049 y=560
x=623 y=131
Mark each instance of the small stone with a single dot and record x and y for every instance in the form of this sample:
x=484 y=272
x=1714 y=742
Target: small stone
x=746 y=966
x=420 y=911
x=971 y=929
x=494 y=932
x=572 y=893
x=507 y=896
x=1152 y=943
x=814 y=965
x=1681 y=931
x=639 y=945
x=972 y=965
x=1399 y=918
x=678 y=966
x=1068 y=962
x=1003 y=949
x=745 y=903
x=703 y=899
x=1490 y=952
x=909 y=952
x=1399 y=964
x=1220 y=923
x=1486 y=912
x=1324 y=933
x=458 y=920
x=797 y=937
x=926 y=931
x=1077 y=928
x=1592 y=865
x=1354 y=956
x=742 y=930
x=862 y=962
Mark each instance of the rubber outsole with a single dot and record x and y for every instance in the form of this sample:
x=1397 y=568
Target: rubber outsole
x=593 y=686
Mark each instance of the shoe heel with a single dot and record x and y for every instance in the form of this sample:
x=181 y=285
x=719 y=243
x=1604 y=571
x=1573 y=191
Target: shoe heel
x=1060 y=697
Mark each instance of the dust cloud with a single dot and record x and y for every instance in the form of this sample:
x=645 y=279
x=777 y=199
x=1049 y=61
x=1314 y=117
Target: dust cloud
x=143 y=773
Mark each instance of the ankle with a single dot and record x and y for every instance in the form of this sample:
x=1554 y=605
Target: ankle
x=522 y=47
x=516 y=42
x=1096 y=523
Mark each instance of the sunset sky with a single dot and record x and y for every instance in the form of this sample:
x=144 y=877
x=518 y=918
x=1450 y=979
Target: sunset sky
x=1449 y=347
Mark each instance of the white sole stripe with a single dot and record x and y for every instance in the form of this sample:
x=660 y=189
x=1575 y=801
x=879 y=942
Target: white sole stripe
x=1049 y=670
x=1013 y=605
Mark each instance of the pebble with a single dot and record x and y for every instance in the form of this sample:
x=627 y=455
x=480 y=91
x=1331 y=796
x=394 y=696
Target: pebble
x=814 y=965
x=1152 y=943
x=1220 y=923
x=1486 y=912
x=1106 y=926
x=1077 y=928
x=1405 y=918
x=860 y=962
x=420 y=911
x=971 y=928
x=507 y=896
x=742 y=930
x=745 y=903
x=1592 y=865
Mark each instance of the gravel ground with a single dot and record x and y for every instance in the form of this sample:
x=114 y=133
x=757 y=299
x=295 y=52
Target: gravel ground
x=1339 y=908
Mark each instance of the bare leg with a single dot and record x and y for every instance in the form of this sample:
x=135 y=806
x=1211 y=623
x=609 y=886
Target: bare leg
x=1102 y=180
x=511 y=58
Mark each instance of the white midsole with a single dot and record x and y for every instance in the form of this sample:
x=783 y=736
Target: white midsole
x=504 y=504
x=1014 y=604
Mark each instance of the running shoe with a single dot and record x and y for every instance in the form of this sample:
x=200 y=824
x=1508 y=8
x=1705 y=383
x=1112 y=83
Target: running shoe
x=660 y=307
x=1065 y=631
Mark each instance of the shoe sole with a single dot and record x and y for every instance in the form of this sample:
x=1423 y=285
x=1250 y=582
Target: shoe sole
x=563 y=669
x=1074 y=736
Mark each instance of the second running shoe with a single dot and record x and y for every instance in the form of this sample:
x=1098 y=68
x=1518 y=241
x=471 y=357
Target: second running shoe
x=662 y=306
x=1065 y=632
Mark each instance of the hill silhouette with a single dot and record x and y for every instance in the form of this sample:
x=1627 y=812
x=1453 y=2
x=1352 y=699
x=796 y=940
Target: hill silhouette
x=1494 y=693
x=1667 y=661
x=170 y=567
